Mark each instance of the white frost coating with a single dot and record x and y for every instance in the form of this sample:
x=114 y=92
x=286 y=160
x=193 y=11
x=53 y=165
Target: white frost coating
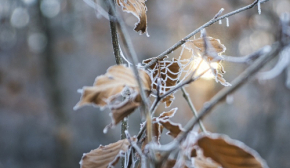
x=122 y=55
x=220 y=21
x=227 y=19
x=259 y=7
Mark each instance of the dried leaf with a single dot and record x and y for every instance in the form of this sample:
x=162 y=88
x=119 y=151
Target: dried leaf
x=157 y=127
x=219 y=78
x=230 y=153
x=138 y=9
x=105 y=156
x=197 y=45
x=168 y=114
x=202 y=162
x=168 y=100
x=118 y=82
x=111 y=84
x=168 y=72
x=119 y=113
x=173 y=128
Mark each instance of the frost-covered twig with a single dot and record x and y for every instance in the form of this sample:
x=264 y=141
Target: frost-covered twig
x=131 y=53
x=212 y=21
x=248 y=58
x=239 y=81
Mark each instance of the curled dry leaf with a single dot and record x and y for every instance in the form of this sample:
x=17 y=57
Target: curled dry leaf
x=197 y=45
x=230 y=153
x=173 y=128
x=219 y=78
x=197 y=48
x=157 y=127
x=138 y=9
x=118 y=82
x=105 y=156
x=168 y=72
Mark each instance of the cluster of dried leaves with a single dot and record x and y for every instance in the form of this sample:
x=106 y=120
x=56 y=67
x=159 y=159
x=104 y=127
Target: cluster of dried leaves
x=199 y=150
x=118 y=91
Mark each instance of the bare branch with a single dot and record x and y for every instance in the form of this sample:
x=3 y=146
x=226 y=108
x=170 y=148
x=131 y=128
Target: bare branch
x=212 y=21
x=131 y=53
x=239 y=81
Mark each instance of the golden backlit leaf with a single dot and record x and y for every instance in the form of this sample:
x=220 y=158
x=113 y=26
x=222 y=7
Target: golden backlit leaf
x=166 y=71
x=112 y=83
x=197 y=45
x=173 y=128
x=138 y=9
x=105 y=156
x=229 y=153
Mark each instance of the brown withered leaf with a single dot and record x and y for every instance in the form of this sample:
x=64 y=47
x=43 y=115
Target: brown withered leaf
x=202 y=162
x=197 y=45
x=138 y=9
x=105 y=156
x=229 y=153
x=157 y=128
x=112 y=83
x=219 y=78
x=173 y=128
x=166 y=71
x=120 y=112
x=168 y=114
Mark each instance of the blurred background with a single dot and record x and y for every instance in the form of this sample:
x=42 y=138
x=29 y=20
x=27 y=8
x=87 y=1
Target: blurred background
x=51 y=48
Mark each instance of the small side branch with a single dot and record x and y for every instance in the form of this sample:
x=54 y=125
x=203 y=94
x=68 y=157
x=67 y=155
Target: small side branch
x=212 y=21
x=239 y=81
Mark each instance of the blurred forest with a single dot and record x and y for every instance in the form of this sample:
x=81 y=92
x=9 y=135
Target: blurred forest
x=51 y=48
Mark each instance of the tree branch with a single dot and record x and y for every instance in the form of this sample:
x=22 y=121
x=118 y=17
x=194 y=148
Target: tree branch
x=212 y=21
x=239 y=81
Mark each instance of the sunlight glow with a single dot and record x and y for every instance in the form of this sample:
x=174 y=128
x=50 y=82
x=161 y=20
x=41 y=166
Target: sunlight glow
x=204 y=66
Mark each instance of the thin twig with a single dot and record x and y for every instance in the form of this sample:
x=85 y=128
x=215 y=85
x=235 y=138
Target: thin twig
x=118 y=59
x=187 y=98
x=114 y=36
x=245 y=59
x=138 y=150
x=239 y=81
x=131 y=53
x=212 y=21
